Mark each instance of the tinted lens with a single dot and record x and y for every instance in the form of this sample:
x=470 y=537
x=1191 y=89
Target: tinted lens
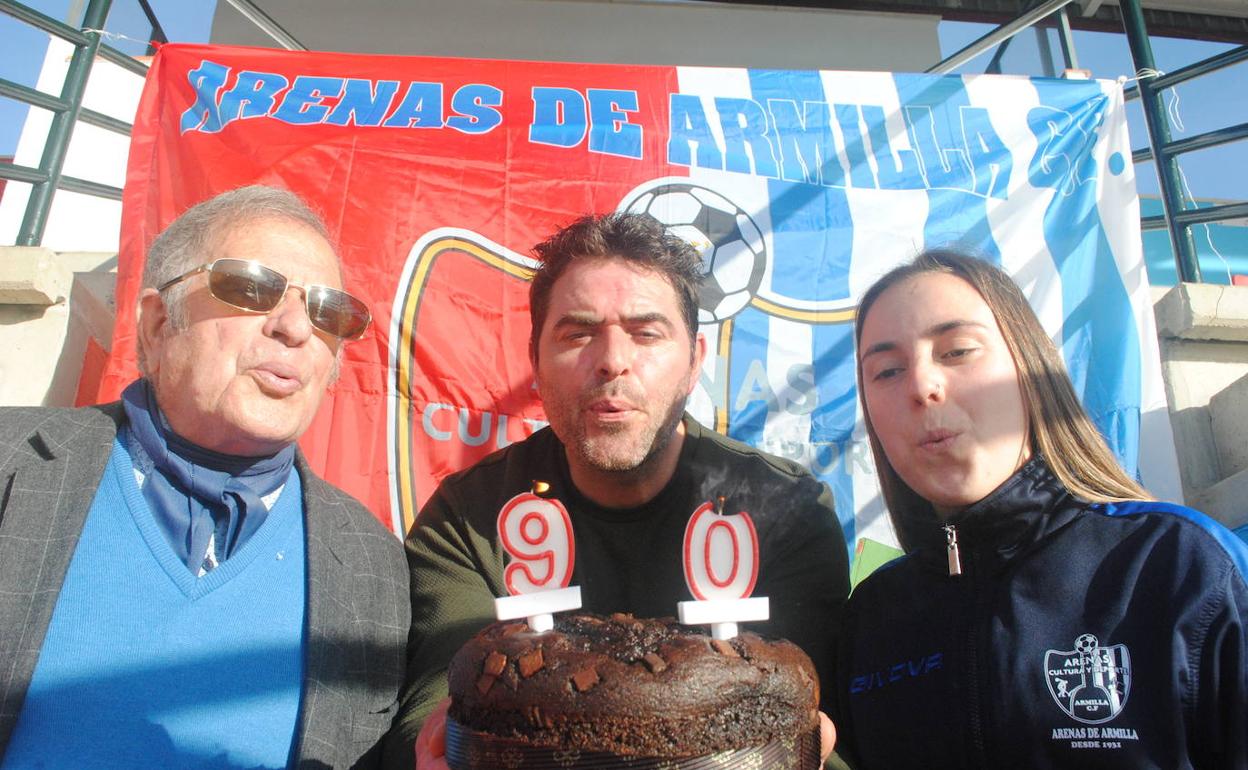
x=246 y=285
x=336 y=312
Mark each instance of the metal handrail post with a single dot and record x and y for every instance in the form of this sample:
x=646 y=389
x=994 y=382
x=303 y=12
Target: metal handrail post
x=1159 y=137
x=267 y=24
x=1204 y=67
x=1067 y=39
x=977 y=47
x=35 y=220
x=1046 y=51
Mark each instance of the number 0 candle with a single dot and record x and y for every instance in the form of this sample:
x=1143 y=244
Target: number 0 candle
x=721 y=555
x=721 y=568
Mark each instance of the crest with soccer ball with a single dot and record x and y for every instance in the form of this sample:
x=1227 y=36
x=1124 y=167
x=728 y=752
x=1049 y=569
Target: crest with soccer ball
x=1091 y=682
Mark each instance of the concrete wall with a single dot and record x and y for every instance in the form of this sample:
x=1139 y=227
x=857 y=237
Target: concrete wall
x=615 y=31
x=1203 y=334
x=51 y=307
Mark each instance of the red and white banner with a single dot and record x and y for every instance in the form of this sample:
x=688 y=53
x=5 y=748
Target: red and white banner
x=437 y=176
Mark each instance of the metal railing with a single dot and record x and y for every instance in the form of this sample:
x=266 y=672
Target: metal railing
x=1002 y=35
x=67 y=110
x=1164 y=150
x=1177 y=217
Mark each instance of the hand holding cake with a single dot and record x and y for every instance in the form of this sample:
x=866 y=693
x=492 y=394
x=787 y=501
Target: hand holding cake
x=431 y=743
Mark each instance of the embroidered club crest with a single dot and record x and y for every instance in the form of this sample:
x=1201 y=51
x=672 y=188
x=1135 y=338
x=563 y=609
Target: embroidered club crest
x=1090 y=683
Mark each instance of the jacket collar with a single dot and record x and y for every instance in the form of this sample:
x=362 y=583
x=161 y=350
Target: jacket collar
x=1025 y=509
x=327 y=623
x=66 y=432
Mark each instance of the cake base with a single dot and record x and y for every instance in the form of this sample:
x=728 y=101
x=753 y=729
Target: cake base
x=468 y=749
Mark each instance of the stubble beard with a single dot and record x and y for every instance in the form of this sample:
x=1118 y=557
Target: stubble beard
x=611 y=452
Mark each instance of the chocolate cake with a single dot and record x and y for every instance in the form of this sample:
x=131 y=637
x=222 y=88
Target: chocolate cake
x=631 y=688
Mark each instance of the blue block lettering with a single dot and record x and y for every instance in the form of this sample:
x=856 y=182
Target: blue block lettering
x=361 y=105
x=855 y=146
x=991 y=162
x=610 y=131
x=475 y=104
x=944 y=165
x=1059 y=138
x=302 y=105
x=421 y=107
x=744 y=122
x=559 y=117
x=689 y=127
x=899 y=171
x=807 y=148
x=253 y=96
x=206 y=80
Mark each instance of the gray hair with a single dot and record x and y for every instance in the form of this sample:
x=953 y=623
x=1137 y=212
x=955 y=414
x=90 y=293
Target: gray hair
x=194 y=237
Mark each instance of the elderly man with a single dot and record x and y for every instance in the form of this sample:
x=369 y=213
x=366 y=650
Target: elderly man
x=616 y=350
x=177 y=588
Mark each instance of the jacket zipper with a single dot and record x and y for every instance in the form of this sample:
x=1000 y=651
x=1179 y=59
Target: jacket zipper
x=951 y=550
x=975 y=662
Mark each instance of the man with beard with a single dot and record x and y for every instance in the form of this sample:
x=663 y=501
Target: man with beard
x=616 y=350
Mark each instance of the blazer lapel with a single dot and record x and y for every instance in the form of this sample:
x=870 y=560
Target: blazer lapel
x=324 y=719
x=51 y=478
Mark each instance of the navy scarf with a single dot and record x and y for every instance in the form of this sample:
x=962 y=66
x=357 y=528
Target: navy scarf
x=194 y=492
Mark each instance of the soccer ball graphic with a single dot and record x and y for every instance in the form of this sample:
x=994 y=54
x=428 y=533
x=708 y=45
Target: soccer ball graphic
x=1087 y=643
x=731 y=245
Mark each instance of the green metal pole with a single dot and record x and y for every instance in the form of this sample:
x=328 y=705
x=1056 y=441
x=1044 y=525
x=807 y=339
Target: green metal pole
x=1067 y=39
x=36 y=219
x=1159 y=136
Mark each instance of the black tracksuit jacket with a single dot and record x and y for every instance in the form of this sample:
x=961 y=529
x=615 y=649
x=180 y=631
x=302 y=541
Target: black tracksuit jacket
x=1077 y=635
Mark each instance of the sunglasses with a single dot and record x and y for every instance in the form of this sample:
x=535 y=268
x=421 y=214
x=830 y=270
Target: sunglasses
x=248 y=285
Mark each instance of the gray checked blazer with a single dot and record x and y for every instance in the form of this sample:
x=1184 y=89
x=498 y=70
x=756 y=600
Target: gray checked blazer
x=357 y=615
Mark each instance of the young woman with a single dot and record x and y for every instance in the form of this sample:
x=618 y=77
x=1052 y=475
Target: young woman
x=1047 y=613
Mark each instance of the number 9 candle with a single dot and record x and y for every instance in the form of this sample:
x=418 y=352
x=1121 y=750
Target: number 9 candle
x=536 y=533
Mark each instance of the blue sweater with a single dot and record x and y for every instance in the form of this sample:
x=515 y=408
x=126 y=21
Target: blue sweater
x=145 y=665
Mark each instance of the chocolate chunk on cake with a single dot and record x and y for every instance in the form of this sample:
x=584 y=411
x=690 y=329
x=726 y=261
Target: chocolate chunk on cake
x=632 y=687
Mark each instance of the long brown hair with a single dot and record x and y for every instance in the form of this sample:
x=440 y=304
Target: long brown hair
x=1059 y=428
